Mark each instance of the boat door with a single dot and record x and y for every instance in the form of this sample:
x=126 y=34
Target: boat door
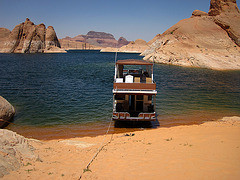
x=131 y=103
x=139 y=103
x=135 y=104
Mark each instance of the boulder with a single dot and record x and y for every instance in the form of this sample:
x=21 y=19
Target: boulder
x=7 y=112
x=199 y=13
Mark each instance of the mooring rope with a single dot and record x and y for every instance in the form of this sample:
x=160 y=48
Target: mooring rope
x=101 y=145
x=99 y=149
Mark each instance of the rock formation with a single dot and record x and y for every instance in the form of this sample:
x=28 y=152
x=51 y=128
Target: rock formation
x=137 y=46
x=4 y=33
x=208 y=40
x=14 y=151
x=7 y=112
x=93 y=40
x=29 y=38
x=122 y=42
x=226 y=15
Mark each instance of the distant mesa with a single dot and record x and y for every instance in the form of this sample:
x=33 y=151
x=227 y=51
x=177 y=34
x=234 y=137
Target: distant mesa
x=99 y=35
x=207 y=40
x=29 y=38
x=92 y=40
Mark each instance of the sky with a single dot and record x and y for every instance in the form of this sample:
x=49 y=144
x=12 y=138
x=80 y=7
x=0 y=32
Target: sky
x=132 y=19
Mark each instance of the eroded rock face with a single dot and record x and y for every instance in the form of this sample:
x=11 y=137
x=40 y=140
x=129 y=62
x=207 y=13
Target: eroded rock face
x=222 y=6
x=226 y=14
x=14 y=150
x=29 y=38
x=7 y=112
x=208 y=41
x=51 y=38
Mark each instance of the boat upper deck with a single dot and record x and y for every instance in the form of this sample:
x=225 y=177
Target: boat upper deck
x=132 y=74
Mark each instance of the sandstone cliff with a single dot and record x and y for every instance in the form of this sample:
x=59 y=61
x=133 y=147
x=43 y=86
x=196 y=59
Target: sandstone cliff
x=29 y=38
x=92 y=40
x=208 y=40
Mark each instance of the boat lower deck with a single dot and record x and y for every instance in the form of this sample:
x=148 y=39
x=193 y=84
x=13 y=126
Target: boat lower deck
x=125 y=116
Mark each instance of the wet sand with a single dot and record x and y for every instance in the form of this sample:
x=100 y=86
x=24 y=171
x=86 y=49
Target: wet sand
x=207 y=151
x=99 y=128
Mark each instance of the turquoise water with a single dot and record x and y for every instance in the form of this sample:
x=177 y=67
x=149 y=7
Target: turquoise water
x=75 y=90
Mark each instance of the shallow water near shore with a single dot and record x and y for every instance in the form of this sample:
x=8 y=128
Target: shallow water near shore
x=70 y=95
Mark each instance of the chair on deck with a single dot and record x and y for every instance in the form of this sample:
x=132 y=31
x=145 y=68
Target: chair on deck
x=148 y=80
x=136 y=79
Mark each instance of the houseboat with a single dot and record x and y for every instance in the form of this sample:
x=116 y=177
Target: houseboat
x=134 y=91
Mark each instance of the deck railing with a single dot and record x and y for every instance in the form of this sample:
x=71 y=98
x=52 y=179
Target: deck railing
x=125 y=116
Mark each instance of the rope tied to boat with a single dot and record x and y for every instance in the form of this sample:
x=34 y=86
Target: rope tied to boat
x=101 y=145
x=99 y=149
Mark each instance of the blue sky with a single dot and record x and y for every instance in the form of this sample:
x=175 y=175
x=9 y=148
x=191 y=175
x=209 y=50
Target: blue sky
x=131 y=19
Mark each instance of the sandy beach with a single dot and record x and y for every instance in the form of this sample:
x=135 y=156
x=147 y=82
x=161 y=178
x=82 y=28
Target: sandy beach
x=207 y=151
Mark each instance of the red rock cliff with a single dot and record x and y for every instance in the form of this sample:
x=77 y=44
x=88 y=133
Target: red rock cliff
x=29 y=38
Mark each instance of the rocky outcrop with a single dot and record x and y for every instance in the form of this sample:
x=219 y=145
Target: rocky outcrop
x=218 y=7
x=14 y=151
x=30 y=38
x=226 y=15
x=204 y=40
x=4 y=33
x=122 y=42
x=7 y=112
x=137 y=46
x=92 y=40
x=199 y=13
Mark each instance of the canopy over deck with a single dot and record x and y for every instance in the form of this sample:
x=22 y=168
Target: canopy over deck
x=133 y=62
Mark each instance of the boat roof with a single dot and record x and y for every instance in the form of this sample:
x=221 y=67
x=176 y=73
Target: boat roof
x=133 y=62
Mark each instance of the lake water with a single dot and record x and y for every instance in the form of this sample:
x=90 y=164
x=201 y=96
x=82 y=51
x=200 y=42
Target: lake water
x=70 y=95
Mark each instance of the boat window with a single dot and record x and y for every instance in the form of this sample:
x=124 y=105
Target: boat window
x=120 y=71
x=120 y=97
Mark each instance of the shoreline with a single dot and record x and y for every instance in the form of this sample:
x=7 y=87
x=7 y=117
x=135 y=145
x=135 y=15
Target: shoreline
x=210 y=150
x=94 y=129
